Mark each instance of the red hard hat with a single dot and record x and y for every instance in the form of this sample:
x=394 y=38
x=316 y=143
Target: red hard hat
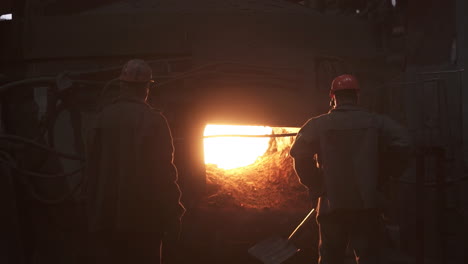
x=137 y=71
x=344 y=82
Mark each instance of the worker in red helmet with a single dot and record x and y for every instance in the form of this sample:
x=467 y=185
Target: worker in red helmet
x=338 y=157
x=133 y=195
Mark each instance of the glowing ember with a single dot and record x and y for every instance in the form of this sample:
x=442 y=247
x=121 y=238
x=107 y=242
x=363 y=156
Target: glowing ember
x=269 y=182
x=234 y=152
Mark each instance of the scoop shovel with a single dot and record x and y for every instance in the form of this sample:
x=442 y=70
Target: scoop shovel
x=276 y=250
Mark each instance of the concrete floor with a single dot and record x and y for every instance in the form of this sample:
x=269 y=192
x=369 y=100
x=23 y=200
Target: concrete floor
x=220 y=235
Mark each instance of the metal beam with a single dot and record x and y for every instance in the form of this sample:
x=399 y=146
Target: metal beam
x=462 y=50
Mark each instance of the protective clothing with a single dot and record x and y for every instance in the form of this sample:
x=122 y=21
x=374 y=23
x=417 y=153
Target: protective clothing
x=360 y=231
x=344 y=82
x=132 y=181
x=347 y=145
x=136 y=71
x=347 y=142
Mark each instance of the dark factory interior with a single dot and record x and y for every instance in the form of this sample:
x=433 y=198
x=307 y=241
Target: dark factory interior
x=235 y=81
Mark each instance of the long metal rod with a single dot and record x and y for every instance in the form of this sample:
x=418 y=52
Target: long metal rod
x=420 y=204
x=440 y=205
x=301 y=224
x=254 y=136
x=442 y=72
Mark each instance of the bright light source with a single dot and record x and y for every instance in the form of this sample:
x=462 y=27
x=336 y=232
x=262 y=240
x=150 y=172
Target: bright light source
x=358 y=11
x=233 y=152
x=393 y=3
x=6 y=17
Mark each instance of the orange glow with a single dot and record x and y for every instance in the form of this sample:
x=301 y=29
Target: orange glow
x=233 y=152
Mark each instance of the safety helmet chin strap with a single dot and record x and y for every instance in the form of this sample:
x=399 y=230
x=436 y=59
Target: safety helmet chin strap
x=332 y=102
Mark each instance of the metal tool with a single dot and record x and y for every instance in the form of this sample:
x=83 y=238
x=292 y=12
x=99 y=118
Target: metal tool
x=276 y=250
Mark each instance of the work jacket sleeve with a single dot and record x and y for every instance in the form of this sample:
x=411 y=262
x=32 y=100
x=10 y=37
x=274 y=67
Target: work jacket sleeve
x=158 y=141
x=304 y=152
x=396 y=147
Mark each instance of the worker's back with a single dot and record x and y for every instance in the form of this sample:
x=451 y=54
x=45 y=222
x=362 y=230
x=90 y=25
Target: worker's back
x=350 y=143
x=131 y=175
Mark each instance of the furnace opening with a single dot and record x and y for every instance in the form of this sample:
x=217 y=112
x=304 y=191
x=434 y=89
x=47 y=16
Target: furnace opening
x=236 y=151
x=250 y=167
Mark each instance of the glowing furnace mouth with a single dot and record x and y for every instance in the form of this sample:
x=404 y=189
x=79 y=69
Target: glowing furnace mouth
x=233 y=152
x=266 y=178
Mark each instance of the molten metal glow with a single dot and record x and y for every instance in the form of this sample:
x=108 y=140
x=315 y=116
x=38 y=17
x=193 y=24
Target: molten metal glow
x=234 y=152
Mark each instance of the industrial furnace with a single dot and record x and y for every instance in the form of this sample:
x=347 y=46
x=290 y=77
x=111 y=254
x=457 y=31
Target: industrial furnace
x=262 y=63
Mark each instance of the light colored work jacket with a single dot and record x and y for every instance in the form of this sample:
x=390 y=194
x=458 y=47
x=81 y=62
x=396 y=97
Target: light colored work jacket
x=349 y=144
